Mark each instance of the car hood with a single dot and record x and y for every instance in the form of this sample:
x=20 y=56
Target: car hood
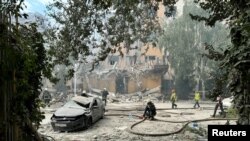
x=70 y=111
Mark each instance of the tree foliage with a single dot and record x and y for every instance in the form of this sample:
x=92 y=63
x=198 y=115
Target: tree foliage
x=183 y=39
x=23 y=62
x=31 y=65
x=96 y=28
x=236 y=58
x=84 y=26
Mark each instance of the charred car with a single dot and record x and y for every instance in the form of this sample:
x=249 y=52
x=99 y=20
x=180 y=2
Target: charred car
x=78 y=113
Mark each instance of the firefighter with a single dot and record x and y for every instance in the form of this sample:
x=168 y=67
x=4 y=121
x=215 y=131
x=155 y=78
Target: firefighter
x=173 y=99
x=84 y=93
x=150 y=111
x=219 y=104
x=197 y=98
x=46 y=97
x=105 y=93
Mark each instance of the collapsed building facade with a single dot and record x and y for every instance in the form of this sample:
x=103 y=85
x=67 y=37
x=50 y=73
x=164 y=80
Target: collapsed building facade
x=135 y=71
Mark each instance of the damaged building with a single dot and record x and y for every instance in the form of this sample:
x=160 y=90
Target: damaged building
x=137 y=70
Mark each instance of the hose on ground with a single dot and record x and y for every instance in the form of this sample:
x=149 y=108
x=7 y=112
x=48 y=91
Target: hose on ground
x=130 y=129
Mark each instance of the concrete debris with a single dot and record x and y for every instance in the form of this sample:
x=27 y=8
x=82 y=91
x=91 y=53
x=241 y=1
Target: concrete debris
x=113 y=100
x=201 y=138
x=121 y=128
x=95 y=137
x=190 y=135
x=135 y=98
x=174 y=136
x=140 y=96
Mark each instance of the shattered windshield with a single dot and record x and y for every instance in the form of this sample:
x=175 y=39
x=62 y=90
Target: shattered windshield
x=74 y=104
x=83 y=105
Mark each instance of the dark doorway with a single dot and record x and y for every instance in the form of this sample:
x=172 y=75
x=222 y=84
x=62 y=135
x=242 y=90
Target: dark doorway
x=121 y=84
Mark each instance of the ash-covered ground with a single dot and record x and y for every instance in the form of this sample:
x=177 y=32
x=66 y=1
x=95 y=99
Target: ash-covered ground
x=115 y=128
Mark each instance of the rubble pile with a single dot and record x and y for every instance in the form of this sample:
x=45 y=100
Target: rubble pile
x=141 y=96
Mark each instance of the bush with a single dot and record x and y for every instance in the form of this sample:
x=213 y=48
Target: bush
x=232 y=112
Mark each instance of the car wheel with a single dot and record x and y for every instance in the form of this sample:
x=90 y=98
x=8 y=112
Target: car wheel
x=88 y=122
x=103 y=114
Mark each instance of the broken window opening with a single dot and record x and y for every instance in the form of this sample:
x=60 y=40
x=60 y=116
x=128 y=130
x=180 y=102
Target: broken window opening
x=151 y=58
x=85 y=106
x=113 y=59
x=131 y=60
x=112 y=62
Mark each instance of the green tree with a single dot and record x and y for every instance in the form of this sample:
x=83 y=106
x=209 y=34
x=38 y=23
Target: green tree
x=184 y=39
x=99 y=27
x=23 y=61
x=235 y=60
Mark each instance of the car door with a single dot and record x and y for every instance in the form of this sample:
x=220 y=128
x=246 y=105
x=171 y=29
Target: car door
x=95 y=110
x=100 y=108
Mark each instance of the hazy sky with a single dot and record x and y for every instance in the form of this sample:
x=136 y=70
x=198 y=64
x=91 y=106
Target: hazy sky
x=40 y=6
x=36 y=5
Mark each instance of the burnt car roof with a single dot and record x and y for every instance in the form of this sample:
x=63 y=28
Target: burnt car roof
x=83 y=100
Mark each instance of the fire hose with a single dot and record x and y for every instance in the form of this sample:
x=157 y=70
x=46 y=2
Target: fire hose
x=130 y=129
